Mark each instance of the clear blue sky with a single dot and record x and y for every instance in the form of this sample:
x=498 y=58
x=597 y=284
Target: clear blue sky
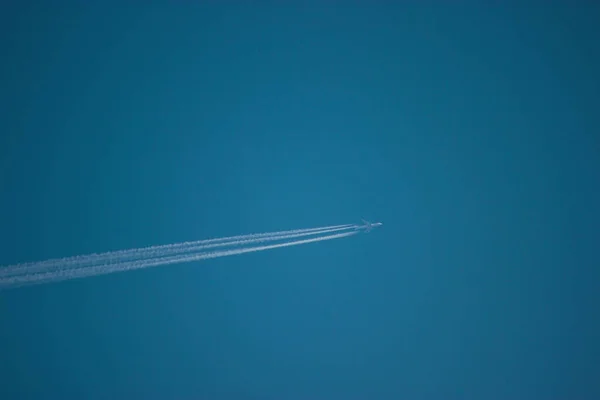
x=471 y=132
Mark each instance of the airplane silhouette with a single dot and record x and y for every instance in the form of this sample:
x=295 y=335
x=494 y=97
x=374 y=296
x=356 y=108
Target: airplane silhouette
x=370 y=225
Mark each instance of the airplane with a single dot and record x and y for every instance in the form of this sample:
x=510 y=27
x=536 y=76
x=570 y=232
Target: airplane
x=370 y=225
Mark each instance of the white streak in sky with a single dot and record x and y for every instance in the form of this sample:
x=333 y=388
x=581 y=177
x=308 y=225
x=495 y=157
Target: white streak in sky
x=159 y=251
x=45 y=272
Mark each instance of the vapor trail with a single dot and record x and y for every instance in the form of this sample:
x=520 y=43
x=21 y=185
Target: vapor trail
x=55 y=276
x=160 y=251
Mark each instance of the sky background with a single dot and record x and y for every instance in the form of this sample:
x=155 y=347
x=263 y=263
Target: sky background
x=471 y=132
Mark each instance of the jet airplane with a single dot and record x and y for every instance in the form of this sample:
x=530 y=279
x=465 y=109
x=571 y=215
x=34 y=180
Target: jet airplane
x=370 y=225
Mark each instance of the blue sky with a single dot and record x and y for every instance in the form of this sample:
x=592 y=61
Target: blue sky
x=471 y=132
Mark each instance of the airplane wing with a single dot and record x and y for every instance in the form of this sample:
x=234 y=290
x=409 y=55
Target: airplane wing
x=368 y=225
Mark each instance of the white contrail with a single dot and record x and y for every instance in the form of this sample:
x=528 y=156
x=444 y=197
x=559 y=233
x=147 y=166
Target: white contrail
x=82 y=262
x=55 y=276
x=159 y=251
x=138 y=251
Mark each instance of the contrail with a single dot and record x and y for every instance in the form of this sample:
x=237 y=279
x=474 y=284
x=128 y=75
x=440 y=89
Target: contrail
x=55 y=276
x=152 y=249
x=160 y=251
